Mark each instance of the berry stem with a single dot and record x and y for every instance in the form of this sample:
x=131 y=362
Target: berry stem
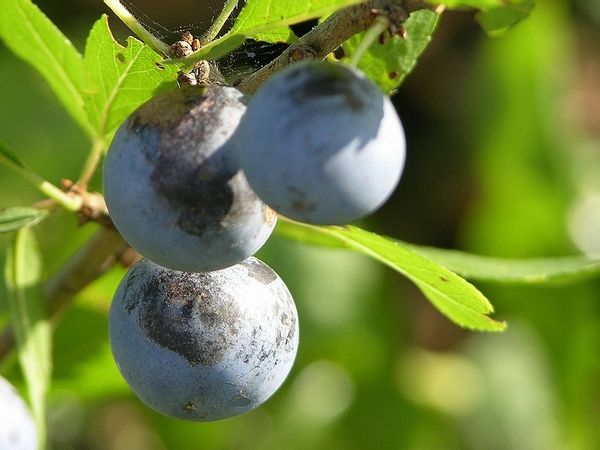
x=91 y=164
x=134 y=25
x=380 y=25
x=219 y=22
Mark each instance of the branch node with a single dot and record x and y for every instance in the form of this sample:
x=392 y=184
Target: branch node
x=299 y=52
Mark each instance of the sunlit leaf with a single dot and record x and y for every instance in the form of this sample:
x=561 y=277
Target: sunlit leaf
x=506 y=270
x=30 y=35
x=475 y=267
x=259 y=16
x=283 y=34
x=12 y=219
x=124 y=77
x=457 y=299
x=266 y=20
x=306 y=234
x=31 y=327
x=389 y=63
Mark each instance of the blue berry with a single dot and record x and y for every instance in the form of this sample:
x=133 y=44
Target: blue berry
x=320 y=143
x=203 y=346
x=173 y=185
x=17 y=427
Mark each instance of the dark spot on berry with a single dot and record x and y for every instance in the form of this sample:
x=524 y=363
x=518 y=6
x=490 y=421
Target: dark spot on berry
x=189 y=315
x=201 y=182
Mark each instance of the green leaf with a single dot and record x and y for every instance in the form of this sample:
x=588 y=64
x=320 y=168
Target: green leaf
x=506 y=270
x=305 y=233
x=388 y=64
x=30 y=35
x=495 y=16
x=12 y=219
x=125 y=77
x=266 y=20
x=216 y=49
x=475 y=267
x=453 y=296
x=278 y=35
x=260 y=16
x=33 y=334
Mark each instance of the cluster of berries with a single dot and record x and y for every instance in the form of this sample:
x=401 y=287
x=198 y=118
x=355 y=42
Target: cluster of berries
x=194 y=180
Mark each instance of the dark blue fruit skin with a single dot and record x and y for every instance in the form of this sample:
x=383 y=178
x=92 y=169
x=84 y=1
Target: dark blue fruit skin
x=320 y=143
x=203 y=346
x=173 y=186
x=17 y=427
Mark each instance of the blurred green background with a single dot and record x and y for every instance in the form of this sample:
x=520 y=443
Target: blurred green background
x=503 y=159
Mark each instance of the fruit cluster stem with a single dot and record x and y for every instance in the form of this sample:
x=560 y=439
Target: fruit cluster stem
x=330 y=34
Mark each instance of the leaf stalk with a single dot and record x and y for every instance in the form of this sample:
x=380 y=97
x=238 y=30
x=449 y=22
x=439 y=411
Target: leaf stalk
x=219 y=22
x=67 y=201
x=134 y=25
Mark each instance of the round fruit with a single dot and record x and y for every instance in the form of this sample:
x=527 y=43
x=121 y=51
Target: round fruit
x=17 y=428
x=173 y=186
x=320 y=143
x=203 y=346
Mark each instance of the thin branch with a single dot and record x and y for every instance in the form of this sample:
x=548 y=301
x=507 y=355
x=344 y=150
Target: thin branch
x=333 y=32
x=92 y=260
x=320 y=42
